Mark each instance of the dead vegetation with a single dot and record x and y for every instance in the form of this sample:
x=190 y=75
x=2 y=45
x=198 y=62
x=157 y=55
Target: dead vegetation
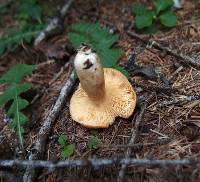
x=164 y=71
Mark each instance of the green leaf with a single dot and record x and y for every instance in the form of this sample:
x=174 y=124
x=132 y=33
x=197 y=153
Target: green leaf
x=93 y=142
x=17 y=73
x=122 y=70
x=13 y=77
x=30 y=10
x=100 y=40
x=18 y=120
x=109 y=57
x=14 y=37
x=162 y=5
x=150 y=30
x=138 y=9
x=145 y=20
x=67 y=151
x=62 y=140
x=22 y=103
x=11 y=92
x=168 y=19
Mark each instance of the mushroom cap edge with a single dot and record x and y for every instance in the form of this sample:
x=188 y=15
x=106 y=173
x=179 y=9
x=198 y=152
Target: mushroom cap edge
x=120 y=100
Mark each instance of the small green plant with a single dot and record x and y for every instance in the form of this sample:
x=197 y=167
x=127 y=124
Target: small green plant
x=14 y=38
x=13 y=77
x=30 y=10
x=100 y=40
x=93 y=141
x=146 y=19
x=67 y=149
x=30 y=24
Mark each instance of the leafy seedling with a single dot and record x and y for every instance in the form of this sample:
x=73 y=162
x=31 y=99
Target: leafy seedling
x=30 y=25
x=146 y=19
x=67 y=149
x=14 y=38
x=12 y=93
x=30 y=10
x=93 y=141
x=100 y=40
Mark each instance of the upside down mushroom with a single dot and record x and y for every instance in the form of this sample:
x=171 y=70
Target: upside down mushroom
x=103 y=93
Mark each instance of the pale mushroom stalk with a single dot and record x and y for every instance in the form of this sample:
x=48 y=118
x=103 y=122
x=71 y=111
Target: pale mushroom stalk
x=90 y=72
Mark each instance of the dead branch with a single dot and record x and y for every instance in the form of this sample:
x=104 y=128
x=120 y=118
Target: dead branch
x=39 y=147
x=179 y=99
x=55 y=24
x=182 y=58
x=99 y=163
x=134 y=136
x=156 y=87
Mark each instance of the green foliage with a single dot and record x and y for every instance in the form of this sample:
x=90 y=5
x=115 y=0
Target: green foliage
x=14 y=38
x=162 y=5
x=12 y=93
x=122 y=70
x=145 y=19
x=139 y=9
x=67 y=149
x=4 y=6
x=168 y=19
x=93 y=141
x=30 y=10
x=100 y=40
x=30 y=24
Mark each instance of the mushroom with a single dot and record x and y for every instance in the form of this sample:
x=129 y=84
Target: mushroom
x=103 y=93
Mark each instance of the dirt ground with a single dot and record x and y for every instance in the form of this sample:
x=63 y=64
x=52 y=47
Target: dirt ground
x=170 y=128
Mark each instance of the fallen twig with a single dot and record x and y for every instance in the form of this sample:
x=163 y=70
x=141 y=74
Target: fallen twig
x=44 y=131
x=155 y=87
x=179 y=99
x=40 y=65
x=135 y=132
x=99 y=163
x=183 y=58
x=55 y=24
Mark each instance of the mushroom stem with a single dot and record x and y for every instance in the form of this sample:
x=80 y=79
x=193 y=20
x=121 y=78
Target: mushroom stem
x=90 y=73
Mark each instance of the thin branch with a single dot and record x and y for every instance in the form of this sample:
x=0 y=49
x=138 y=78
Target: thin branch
x=155 y=87
x=182 y=58
x=178 y=99
x=132 y=141
x=99 y=163
x=39 y=147
x=55 y=24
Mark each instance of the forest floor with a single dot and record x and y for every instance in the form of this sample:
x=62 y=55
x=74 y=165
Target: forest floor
x=170 y=126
